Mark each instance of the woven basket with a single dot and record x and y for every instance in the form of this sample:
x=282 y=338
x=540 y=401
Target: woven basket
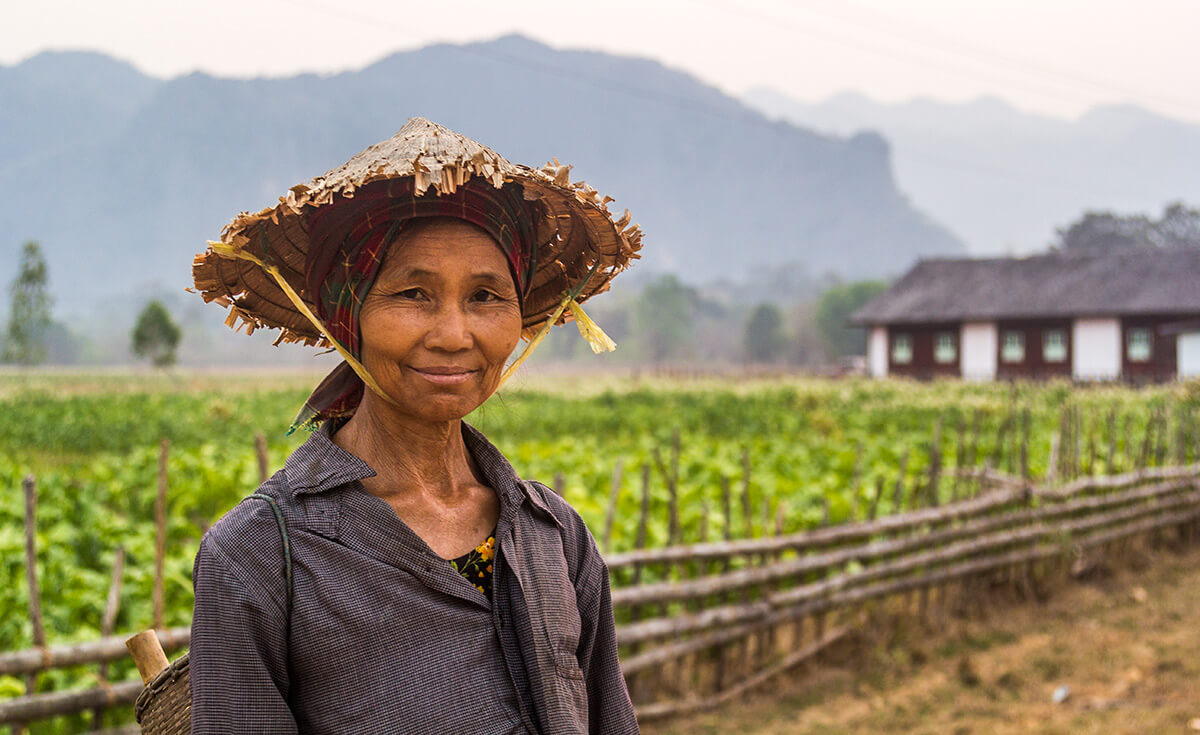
x=164 y=706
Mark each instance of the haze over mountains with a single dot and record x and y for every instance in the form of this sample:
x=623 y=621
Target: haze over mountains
x=123 y=177
x=1002 y=179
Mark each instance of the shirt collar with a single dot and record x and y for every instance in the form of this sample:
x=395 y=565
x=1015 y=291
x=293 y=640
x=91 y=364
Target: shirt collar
x=319 y=465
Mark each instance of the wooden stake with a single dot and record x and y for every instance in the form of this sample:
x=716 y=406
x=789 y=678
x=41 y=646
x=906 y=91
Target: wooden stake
x=1025 y=429
x=29 y=485
x=935 y=463
x=873 y=510
x=160 y=536
x=960 y=457
x=264 y=461
x=898 y=493
x=112 y=606
x=747 y=513
x=613 y=493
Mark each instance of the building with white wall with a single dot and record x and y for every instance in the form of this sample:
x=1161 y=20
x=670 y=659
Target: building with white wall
x=1124 y=315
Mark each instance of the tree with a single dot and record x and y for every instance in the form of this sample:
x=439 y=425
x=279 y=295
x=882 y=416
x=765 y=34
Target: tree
x=1179 y=227
x=764 y=334
x=25 y=342
x=156 y=335
x=836 y=305
x=665 y=317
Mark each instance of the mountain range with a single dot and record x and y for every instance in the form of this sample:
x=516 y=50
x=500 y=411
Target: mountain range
x=1004 y=180
x=122 y=177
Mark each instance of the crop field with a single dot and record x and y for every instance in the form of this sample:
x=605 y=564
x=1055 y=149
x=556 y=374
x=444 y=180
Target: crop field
x=796 y=452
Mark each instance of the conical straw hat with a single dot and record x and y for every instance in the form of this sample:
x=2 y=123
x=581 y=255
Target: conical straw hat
x=577 y=235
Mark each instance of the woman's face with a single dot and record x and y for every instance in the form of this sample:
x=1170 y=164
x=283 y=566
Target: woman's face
x=440 y=320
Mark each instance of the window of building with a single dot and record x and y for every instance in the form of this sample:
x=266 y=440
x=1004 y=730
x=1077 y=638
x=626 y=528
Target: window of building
x=1013 y=348
x=944 y=348
x=1054 y=345
x=1137 y=344
x=901 y=349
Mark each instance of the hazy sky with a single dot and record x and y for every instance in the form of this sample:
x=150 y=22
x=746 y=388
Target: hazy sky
x=1056 y=57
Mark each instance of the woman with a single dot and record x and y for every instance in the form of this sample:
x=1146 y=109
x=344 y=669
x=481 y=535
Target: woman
x=421 y=586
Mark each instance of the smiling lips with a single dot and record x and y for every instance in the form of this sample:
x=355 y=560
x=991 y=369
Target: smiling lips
x=444 y=374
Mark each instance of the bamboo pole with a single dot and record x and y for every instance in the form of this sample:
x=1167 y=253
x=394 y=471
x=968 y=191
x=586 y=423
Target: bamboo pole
x=788 y=606
x=1145 y=501
x=16 y=663
x=148 y=654
x=895 y=523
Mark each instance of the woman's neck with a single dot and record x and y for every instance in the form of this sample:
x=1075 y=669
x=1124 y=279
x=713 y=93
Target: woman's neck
x=411 y=458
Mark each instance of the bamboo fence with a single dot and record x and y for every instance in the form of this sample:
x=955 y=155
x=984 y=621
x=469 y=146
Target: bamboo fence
x=698 y=624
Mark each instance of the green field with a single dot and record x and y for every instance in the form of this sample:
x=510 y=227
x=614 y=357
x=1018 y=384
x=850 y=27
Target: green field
x=818 y=447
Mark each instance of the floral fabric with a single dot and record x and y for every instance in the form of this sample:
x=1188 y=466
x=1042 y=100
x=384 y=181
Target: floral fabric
x=476 y=565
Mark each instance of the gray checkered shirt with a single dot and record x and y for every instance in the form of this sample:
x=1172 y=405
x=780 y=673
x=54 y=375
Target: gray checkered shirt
x=384 y=635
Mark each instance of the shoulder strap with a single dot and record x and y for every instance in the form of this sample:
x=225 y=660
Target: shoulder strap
x=287 y=546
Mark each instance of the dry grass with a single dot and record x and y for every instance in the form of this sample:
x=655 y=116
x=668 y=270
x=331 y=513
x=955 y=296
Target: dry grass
x=1124 y=642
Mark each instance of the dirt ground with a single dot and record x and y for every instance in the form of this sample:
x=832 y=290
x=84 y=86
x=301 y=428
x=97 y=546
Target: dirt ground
x=1122 y=646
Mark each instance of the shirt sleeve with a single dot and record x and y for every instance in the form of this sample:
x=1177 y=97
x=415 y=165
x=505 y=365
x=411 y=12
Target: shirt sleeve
x=610 y=711
x=238 y=657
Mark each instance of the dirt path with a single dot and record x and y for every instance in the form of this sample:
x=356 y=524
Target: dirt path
x=1124 y=644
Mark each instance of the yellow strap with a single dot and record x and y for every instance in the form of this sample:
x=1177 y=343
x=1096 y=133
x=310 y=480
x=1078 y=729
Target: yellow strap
x=232 y=251
x=590 y=330
x=534 y=342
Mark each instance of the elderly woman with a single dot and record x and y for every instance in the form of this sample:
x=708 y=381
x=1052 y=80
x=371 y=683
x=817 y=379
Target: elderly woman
x=398 y=575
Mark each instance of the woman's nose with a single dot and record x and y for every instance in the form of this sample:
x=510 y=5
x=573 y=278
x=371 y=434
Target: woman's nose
x=450 y=330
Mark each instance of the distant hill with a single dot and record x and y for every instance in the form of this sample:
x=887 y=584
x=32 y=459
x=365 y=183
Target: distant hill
x=123 y=177
x=1003 y=179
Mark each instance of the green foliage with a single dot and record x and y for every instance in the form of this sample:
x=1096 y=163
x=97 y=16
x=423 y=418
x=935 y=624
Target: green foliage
x=764 y=334
x=835 y=307
x=664 y=315
x=1179 y=227
x=95 y=457
x=29 y=318
x=156 y=335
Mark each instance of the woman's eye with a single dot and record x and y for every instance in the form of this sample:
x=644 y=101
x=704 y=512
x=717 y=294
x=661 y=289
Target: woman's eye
x=482 y=295
x=410 y=293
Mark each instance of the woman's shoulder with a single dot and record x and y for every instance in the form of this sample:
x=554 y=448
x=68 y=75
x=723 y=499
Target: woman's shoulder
x=247 y=539
x=579 y=545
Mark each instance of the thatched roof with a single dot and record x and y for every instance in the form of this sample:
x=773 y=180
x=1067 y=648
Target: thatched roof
x=1055 y=285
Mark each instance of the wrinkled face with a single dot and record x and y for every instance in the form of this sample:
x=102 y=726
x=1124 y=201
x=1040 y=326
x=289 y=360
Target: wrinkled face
x=440 y=320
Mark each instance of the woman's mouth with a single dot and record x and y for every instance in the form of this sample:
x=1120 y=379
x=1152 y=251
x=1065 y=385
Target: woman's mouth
x=444 y=374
